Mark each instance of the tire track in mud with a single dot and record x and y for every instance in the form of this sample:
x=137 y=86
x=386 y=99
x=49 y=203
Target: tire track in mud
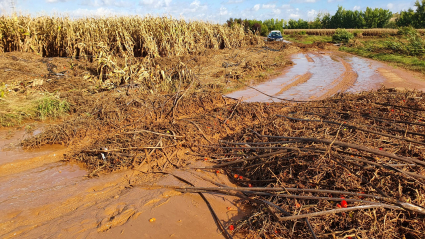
x=340 y=84
x=309 y=59
x=300 y=79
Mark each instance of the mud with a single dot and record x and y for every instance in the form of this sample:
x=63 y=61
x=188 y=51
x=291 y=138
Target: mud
x=329 y=73
x=54 y=198
x=44 y=196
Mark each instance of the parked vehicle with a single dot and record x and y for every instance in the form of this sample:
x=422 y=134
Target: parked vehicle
x=274 y=36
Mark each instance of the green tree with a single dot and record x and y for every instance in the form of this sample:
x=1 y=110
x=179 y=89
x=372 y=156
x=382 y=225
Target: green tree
x=413 y=18
x=420 y=14
x=325 y=19
x=406 y=18
x=316 y=24
x=337 y=19
x=264 y=30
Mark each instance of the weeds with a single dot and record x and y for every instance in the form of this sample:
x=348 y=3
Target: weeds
x=51 y=107
x=307 y=39
x=15 y=109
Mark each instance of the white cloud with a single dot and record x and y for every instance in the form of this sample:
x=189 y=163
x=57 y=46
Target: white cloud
x=104 y=3
x=235 y=1
x=267 y=6
x=356 y=8
x=256 y=7
x=293 y=16
x=195 y=3
x=304 y=1
x=397 y=7
x=276 y=11
x=294 y=13
x=285 y=6
x=223 y=11
x=156 y=3
x=99 y=12
x=311 y=14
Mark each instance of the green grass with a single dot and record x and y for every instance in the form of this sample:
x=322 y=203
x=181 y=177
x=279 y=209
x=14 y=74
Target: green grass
x=15 y=109
x=307 y=39
x=397 y=54
x=51 y=107
x=409 y=62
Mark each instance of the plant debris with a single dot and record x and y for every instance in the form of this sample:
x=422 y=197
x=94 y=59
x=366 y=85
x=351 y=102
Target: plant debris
x=348 y=166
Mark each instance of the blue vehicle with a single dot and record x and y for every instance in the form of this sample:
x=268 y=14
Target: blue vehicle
x=275 y=36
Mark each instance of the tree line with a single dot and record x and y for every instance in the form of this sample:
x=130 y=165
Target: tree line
x=353 y=19
x=257 y=26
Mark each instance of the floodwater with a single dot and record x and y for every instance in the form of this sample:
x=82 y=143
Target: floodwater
x=318 y=75
x=42 y=196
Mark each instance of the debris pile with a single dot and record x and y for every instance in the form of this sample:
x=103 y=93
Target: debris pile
x=350 y=166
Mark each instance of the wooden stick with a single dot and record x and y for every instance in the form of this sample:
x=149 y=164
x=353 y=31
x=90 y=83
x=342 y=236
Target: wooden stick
x=130 y=148
x=354 y=146
x=152 y=132
x=356 y=128
x=315 y=214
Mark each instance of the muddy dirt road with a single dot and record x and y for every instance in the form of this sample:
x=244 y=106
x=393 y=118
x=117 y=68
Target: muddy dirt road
x=316 y=75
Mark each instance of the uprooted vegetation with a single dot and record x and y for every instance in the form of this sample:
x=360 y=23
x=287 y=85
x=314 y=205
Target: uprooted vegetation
x=351 y=165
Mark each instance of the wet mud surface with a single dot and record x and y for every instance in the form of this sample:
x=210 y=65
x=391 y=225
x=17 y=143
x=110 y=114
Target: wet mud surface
x=321 y=74
x=48 y=197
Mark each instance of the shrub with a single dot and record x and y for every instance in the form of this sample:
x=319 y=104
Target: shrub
x=354 y=43
x=395 y=46
x=342 y=35
x=406 y=30
x=358 y=33
x=416 y=44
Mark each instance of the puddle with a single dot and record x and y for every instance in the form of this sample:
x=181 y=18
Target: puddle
x=45 y=197
x=328 y=73
x=32 y=187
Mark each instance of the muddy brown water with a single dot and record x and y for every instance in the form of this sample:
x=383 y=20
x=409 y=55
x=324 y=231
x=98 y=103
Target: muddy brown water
x=42 y=196
x=317 y=75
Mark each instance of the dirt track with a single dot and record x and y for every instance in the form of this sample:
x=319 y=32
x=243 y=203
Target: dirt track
x=320 y=74
x=47 y=197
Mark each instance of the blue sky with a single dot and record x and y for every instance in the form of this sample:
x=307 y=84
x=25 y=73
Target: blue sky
x=207 y=10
